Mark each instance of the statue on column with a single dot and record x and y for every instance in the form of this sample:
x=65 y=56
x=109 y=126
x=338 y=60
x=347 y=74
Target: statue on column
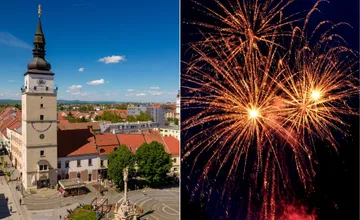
x=125 y=211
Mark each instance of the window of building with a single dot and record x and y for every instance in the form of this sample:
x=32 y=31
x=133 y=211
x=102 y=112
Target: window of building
x=67 y=176
x=47 y=88
x=67 y=165
x=34 y=87
x=42 y=153
x=101 y=163
x=43 y=167
x=115 y=148
x=90 y=162
x=78 y=175
x=78 y=163
x=175 y=169
x=102 y=151
x=41 y=105
x=174 y=160
x=89 y=178
x=59 y=165
x=41 y=117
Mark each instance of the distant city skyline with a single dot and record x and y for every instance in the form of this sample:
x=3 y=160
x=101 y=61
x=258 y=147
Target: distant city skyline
x=111 y=51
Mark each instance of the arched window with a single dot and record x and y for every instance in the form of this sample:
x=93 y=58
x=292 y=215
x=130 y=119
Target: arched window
x=115 y=148
x=102 y=150
x=78 y=175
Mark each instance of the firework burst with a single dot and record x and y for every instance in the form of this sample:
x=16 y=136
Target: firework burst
x=253 y=94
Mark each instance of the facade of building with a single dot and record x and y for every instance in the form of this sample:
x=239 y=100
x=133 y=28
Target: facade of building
x=173 y=146
x=169 y=131
x=39 y=119
x=77 y=154
x=128 y=127
x=157 y=112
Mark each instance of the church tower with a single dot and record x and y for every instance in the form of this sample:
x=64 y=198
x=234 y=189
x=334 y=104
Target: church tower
x=39 y=119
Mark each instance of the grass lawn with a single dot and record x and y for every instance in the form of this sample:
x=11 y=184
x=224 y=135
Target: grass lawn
x=83 y=214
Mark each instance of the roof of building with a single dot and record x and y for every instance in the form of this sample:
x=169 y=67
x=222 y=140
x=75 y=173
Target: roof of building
x=173 y=145
x=152 y=135
x=17 y=124
x=106 y=140
x=132 y=141
x=6 y=112
x=75 y=143
x=80 y=125
x=170 y=127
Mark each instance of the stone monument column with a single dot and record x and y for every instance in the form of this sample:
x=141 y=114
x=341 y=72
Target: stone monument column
x=126 y=179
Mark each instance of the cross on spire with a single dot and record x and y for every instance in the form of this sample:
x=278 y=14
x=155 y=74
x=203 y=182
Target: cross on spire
x=39 y=10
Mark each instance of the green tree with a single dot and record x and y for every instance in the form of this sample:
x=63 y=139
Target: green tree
x=97 y=118
x=154 y=163
x=121 y=106
x=176 y=121
x=120 y=159
x=131 y=118
x=17 y=106
x=144 y=116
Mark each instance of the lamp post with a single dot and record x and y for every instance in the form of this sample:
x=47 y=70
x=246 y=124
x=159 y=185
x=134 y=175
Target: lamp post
x=99 y=179
x=78 y=186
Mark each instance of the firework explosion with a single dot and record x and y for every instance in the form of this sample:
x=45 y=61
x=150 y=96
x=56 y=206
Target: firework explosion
x=264 y=84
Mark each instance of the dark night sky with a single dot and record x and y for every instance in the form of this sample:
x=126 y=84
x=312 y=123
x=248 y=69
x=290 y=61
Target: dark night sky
x=337 y=180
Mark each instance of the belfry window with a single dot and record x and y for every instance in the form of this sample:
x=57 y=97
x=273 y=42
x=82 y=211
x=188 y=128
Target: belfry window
x=41 y=117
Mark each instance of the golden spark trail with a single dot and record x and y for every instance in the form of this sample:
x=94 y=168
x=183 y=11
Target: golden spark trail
x=252 y=92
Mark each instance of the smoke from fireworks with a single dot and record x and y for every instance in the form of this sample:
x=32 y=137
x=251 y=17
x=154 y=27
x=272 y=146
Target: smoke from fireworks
x=255 y=92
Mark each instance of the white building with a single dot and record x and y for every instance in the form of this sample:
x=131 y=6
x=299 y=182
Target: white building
x=157 y=113
x=169 y=131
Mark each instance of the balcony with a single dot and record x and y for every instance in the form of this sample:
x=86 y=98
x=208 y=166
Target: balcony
x=38 y=89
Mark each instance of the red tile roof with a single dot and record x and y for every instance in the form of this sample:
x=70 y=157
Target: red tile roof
x=59 y=116
x=75 y=143
x=132 y=141
x=106 y=140
x=80 y=125
x=173 y=145
x=15 y=125
x=6 y=113
x=153 y=135
x=106 y=143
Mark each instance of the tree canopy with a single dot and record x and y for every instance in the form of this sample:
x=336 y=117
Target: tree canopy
x=143 y=116
x=120 y=159
x=153 y=162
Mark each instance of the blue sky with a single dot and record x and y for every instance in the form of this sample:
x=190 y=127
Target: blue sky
x=129 y=50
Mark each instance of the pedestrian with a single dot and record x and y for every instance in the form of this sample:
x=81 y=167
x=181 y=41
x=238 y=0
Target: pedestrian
x=20 y=201
x=10 y=209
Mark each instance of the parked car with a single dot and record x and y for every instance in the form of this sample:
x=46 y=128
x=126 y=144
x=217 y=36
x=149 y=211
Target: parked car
x=2 y=173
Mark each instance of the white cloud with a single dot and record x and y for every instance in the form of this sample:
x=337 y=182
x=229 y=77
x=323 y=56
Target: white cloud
x=81 y=69
x=96 y=82
x=75 y=87
x=10 y=81
x=154 y=87
x=141 y=94
x=10 y=40
x=112 y=59
x=131 y=90
x=157 y=93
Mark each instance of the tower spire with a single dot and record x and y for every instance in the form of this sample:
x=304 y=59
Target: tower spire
x=39 y=62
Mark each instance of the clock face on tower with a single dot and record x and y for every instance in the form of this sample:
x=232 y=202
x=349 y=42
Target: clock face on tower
x=41 y=82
